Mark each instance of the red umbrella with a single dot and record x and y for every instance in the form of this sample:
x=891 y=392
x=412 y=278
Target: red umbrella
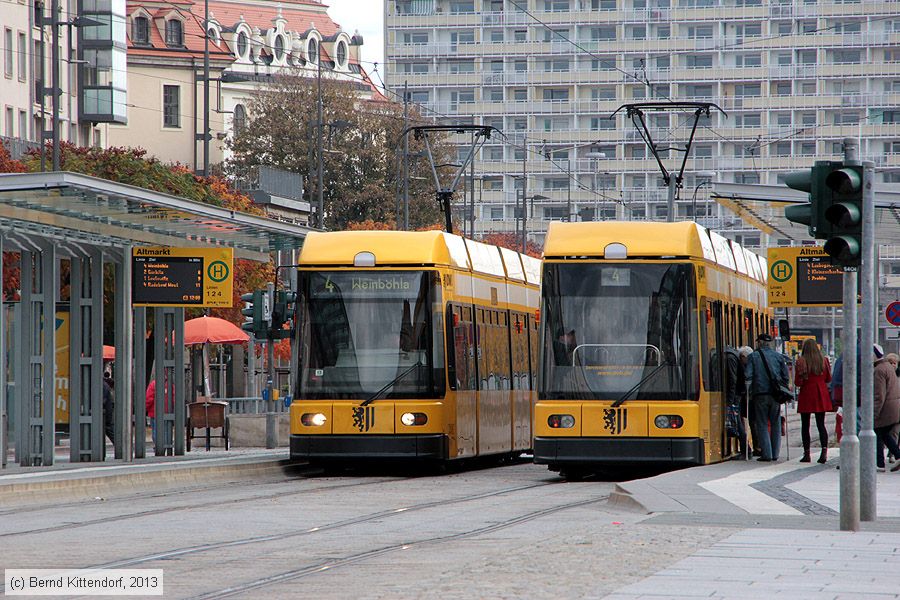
x=212 y=330
x=109 y=352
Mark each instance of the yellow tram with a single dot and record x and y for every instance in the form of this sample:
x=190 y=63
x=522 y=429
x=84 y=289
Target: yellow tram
x=635 y=319
x=413 y=345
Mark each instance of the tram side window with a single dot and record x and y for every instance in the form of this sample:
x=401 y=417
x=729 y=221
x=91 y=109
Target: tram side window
x=712 y=366
x=493 y=351
x=461 y=348
x=519 y=332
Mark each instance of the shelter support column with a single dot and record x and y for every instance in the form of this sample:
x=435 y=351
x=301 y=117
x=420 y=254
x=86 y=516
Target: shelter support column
x=168 y=333
x=21 y=354
x=3 y=399
x=127 y=393
x=139 y=406
x=46 y=332
x=86 y=416
x=178 y=375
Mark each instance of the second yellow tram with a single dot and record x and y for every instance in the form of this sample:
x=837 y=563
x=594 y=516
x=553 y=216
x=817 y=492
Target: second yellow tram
x=635 y=320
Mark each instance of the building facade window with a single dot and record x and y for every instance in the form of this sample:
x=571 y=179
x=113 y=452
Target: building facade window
x=174 y=33
x=279 y=48
x=140 y=30
x=171 y=106
x=8 y=52
x=342 y=54
x=23 y=57
x=240 y=119
x=242 y=45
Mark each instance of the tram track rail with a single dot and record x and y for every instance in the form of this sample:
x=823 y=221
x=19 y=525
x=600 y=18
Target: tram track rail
x=193 y=506
x=199 y=548
x=334 y=563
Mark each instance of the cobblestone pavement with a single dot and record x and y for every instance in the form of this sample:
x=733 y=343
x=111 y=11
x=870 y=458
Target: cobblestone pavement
x=505 y=532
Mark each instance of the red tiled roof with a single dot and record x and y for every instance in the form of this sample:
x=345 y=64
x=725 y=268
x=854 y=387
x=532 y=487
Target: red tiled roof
x=298 y=14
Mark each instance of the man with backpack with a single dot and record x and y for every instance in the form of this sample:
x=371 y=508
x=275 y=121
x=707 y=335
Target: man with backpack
x=766 y=373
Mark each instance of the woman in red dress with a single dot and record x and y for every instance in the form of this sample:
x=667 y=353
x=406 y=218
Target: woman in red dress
x=811 y=375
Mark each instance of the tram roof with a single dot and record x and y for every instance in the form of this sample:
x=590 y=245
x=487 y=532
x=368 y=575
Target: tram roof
x=652 y=240
x=75 y=209
x=342 y=248
x=641 y=238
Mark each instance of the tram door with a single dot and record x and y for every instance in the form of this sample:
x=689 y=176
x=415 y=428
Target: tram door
x=717 y=398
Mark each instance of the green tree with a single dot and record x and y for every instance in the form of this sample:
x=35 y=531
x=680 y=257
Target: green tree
x=362 y=142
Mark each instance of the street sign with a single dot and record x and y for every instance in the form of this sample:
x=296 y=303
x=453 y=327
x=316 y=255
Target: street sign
x=803 y=276
x=188 y=277
x=892 y=313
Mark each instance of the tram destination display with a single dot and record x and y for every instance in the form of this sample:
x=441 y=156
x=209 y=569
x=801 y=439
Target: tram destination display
x=185 y=277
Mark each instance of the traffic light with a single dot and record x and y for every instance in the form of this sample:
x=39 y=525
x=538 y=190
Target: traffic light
x=283 y=311
x=811 y=181
x=834 y=213
x=254 y=311
x=844 y=214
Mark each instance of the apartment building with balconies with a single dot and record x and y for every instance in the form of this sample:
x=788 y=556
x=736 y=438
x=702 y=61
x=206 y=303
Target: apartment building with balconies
x=793 y=76
x=88 y=33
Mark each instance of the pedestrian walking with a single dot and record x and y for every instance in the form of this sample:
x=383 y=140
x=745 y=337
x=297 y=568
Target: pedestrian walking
x=748 y=406
x=886 y=407
x=812 y=374
x=894 y=359
x=766 y=371
x=734 y=393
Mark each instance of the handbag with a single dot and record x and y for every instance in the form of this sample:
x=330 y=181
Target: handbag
x=780 y=392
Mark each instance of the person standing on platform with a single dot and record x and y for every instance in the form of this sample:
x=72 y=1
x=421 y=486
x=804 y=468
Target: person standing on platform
x=811 y=376
x=886 y=407
x=748 y=407
x=765 y=370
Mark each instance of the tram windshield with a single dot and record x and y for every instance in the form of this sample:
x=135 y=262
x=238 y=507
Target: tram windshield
x=370 y=332
x=619 y=331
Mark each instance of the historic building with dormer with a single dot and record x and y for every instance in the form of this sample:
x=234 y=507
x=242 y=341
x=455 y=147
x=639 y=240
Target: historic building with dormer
x=250 y=42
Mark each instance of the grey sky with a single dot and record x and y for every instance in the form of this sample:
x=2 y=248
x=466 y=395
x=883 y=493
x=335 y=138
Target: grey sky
x=367 y=16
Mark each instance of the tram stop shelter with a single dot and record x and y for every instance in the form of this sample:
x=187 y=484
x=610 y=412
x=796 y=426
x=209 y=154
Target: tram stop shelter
x=762 y=207
x=91 y=224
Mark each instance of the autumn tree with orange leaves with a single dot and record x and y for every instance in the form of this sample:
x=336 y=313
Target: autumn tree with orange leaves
x=513 y=242
x=131 y=166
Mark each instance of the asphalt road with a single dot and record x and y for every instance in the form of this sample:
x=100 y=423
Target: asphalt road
x=501 y=532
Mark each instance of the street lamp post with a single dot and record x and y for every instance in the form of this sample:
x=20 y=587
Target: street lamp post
x=539 y=198
x=596 y=156
x=708 y=174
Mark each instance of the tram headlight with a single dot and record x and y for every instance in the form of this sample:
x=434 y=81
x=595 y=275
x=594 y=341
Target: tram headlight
x=561 y=421
x=668 y=421
x=313 y=419
x=410 y=419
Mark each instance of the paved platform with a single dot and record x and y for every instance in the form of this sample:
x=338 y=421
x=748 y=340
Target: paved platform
x=787 y=541
x=19 y=485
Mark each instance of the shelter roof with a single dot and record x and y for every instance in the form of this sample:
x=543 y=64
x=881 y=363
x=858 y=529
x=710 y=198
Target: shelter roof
x=762 y=206
x=74 y=209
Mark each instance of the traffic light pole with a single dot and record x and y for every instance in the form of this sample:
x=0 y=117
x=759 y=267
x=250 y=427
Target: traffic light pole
x=849 y=442
x=869 y=266
x=271 y=438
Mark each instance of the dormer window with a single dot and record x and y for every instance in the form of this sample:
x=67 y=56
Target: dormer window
x=341 y=54
x=242 y=45
x=312 y=51
x=279 y=48
x=213 y=35
x=140 y=30
x=174 y=33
